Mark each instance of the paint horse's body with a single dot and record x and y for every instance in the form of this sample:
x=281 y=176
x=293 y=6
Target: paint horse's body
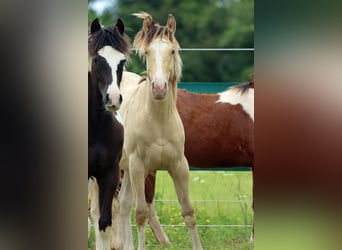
x=154 y=133
x=219 y=128
x=107 y=50
x=219 y=131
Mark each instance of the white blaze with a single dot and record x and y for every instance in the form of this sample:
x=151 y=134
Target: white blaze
x=236 y=97
x=113 y=58
x=158 y=47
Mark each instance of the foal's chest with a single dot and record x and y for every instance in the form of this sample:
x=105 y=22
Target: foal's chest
x=161 y=154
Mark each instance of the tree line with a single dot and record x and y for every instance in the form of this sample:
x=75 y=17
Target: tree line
x=200 y=24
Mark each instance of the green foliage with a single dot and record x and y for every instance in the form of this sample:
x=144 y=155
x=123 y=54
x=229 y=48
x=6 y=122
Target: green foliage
x=200 y=24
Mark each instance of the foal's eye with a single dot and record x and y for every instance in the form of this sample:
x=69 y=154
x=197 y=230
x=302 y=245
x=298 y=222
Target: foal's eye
x=146 y=52
x=96 y=60
x=172 y=52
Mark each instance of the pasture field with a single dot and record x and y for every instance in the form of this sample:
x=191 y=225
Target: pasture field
x=222 y=203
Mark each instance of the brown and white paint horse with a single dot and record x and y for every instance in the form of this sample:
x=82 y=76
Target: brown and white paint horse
x=219 y=128
x=219 y=131
x=154 y=133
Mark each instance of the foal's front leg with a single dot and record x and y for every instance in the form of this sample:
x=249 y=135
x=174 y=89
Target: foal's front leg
x=102 y=239
x=108 y=183
x=180 y=177
x=137 y=176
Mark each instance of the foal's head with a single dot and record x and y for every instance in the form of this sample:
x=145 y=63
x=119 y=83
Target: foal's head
x=108 y=48
x=158 y=45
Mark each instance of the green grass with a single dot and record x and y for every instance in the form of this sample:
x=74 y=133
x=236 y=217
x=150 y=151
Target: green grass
x=216 y=187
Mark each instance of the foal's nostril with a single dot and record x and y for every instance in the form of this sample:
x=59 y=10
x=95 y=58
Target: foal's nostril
x=159 y=86
x=107 y=98
x=120 y=99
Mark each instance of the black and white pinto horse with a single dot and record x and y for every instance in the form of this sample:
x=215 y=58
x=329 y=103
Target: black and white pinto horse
x=108 y=49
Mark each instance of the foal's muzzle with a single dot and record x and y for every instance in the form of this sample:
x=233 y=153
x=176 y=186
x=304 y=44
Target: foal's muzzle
x=112 y=105
x=159 y=90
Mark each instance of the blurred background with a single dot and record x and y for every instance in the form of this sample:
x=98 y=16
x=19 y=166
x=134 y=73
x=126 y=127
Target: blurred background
x=298 y=104
x=200 y=24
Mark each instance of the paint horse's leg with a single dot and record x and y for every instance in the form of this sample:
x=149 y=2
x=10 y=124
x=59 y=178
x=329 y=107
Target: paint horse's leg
x=251 y=239
x=126 y=203
x=107 y=184
x=158 y=231
x=137 y=176
x=180 y=177
x=115 y=239
x=102 y=239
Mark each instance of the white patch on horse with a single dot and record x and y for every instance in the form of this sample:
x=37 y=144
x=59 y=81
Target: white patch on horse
x=236 y=97
x=118 y=117
x=113 y=58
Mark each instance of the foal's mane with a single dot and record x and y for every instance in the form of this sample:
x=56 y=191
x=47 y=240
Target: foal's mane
x=143 y=39
x=108 y=36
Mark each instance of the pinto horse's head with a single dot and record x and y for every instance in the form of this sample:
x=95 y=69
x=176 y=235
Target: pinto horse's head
x=109 y=48
x=158 y=45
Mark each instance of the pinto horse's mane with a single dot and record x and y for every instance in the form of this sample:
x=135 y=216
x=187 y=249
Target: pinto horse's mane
x=143 y=39
x=108 y=36
x=244 y=87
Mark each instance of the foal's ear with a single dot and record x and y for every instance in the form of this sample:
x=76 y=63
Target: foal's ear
x=95 y=26
x=171 y=23
x=148 y=23
x=120 y=25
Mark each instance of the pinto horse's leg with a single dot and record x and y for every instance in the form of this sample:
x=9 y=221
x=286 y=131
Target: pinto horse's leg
x=115 y=239
x=115 y=242
x=180 y=177
x=108 y=183
x=251 y=239
x=126 y=203
x=158 y=231
x=102 y=239
x=107 y=186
